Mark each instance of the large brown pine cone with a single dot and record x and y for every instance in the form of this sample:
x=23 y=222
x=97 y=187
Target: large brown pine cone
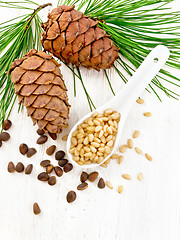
x=39 y=85
x=76 y=38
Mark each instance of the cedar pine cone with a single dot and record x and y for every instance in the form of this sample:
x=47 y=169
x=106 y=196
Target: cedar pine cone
x=75 y=38
x=39 y=85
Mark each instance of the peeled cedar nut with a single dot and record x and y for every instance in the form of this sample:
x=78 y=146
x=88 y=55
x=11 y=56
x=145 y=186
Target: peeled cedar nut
x=49 y=168
x=101 y=183
x=19 y=167
x=7 y=124
x=40 y=132
x=28 y=169
x=31 y=152
x=50 y=150
x=4 y=136
x=42 y=139
x=11 y=167
x=84 y=176
x=58 y=171
x=62 y=162
x=43 y=176
x=82 y=186
x=36 y=209
x=23 y=148
x=45 y=163
x=93 y=176
x=53 y=135
x=52 y=181
x=68 y=167
x=59 y=155
x=71 y=196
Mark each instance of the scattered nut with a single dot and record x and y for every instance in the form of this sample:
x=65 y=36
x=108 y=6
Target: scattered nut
x=101 y=183
x=53 y=135
x=140 y=176
x=36 y=209
x=120 y=159
x=92 y=176
x=45 y=163
x=71 y=197
x=23 y=148
x=59 y=155
x=123 y=148
x=130 y=143
x=49 y=168
x=50 y=150
x=19 y=167
x=4 y=136
x=136 y=134
x=40 y=132
x=29 y=169
x=42 y=139
x=31 y=152
x=126 y=176
x=109 y=184
x=82 y=186
x=43 y=176
x=147 y=114
x=62 y=162
x=120 y=189
x=138 y=150
x=6 y=124
x=148 y=157
x=11 y=167
x=58 y=171
x=84 y=176
x=52 y=181
x=68 y=167
x=140 y=101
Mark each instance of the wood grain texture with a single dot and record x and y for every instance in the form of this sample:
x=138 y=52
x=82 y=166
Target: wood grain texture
x=144 y=211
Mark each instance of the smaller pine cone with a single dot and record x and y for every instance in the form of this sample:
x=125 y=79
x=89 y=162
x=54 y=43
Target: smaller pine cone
x=75 y=38
x=39 y=85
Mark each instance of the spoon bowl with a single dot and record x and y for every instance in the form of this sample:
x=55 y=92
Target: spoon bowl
x=125 y=98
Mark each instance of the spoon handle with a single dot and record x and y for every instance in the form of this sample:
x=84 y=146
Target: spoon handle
x=155 y=60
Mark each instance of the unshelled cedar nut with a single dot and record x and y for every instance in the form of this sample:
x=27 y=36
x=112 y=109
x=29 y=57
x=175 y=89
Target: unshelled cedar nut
x=45 y=163
x=71 y=196
x=4 y=136
x=31 y=152
x=49 y=168
x=23 y=148
x=58 y=171
x=53 y=135
x=40 y=132
x=36 y=209
x=28 y=169
x=52 y=181
x=101 y=183
x=92 y=176
x=11 y=167
x=68 y=167
x=82 y=186
x=42 y=139
x=50 y=150
x=43 y=176
x=62 y=162
x=19 y=167
x=84 y=176
x=7 y=124
x=59 y=155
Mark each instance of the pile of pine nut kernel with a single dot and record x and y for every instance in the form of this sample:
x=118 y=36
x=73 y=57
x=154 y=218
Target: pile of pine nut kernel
x=93 y=140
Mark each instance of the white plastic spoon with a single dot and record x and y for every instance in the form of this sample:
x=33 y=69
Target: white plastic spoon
x=125 y=98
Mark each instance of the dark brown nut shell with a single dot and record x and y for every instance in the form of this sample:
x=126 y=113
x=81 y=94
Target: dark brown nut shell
x=62 y=162
x=71 y=196
x=43 y=176
x=68 y=167
x=50 y=150
x=36 y=209
x=59 y=155
x=42 y=139
x=23 y=148
x=28 y=169
x=93 y=176
x=11 y=167
x=7 y=124
x=45 y=163
x=49 y=168
x=58 y=171
x=19 y=167
x=84 y=176
x=101 y=183
x=52 y=181
x=82 y=186
x=31 y=152
x=4 y=136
